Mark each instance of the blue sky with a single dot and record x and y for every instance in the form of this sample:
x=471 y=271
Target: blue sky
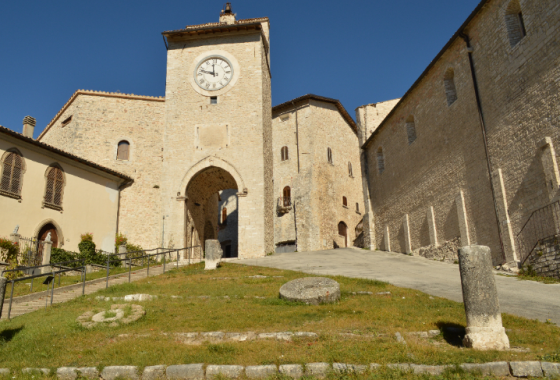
x=356 y=51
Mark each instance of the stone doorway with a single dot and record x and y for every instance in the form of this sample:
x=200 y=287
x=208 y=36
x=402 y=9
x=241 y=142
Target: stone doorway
x=343 y=233
x=202 y=211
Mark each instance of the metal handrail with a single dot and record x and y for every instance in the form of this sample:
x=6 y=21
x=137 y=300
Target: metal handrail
x=543 y=223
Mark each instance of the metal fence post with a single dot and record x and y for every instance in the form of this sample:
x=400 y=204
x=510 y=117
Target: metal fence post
x=3 y=298
x=52 y=291
x=11 y=299
x=164 y=263
x=177 y=259
x=84 y=280
x=148 y=274
x=107 y=281
x=129 y=268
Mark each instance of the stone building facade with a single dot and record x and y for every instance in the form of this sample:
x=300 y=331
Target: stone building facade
x=468 y=154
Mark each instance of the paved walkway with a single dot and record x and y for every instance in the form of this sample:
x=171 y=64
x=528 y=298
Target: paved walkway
x=29 y=303
x=528 y=299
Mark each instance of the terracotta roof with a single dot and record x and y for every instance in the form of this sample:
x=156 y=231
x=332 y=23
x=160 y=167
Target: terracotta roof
x=218 y=26
x=457 y=34
x=41 y=145
x=336 y=102
x=98 y=93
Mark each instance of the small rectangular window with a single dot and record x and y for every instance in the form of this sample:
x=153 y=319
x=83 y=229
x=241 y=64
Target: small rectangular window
x=67 y=121
x=213 y=100
x=357 y=207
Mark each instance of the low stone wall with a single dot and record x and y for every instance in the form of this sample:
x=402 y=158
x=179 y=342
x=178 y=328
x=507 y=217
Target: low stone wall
x=447 y=251
x=295 y=371
x=545 y=258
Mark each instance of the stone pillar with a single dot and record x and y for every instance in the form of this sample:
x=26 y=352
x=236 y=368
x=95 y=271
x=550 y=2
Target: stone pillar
x=406 y=227
x=387 y=239
x=463 y=222
x=432 y=227
x=122 y=251
x=480 y=296
x=47 y=249
x=213 y=252
x=506 y=231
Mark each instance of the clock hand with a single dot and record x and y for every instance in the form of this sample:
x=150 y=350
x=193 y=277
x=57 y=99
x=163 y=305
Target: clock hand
x=206 y=72
x=213 y=70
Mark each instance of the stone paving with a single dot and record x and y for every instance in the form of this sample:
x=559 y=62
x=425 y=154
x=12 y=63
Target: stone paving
x=22 y=305
x=527 y=299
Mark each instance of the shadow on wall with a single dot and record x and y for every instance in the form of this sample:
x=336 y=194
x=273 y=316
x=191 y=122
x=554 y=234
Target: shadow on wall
x=451 y=224
x=229 y=235
x=424 y=233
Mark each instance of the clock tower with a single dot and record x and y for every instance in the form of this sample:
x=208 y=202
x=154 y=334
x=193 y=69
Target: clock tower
x=218 y=133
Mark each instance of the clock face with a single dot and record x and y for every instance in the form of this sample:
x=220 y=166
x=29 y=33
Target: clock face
x=213 y=73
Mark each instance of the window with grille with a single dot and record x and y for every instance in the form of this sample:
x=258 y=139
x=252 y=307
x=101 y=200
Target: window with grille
x=224 y=215
x=123 y=150
x=54 y=188
x=350 y=173
x=380 y=160
x=514 y=23
x=329 y=155
x=12 y=173
x=287 y=195
x=411 y=129
x=284 y=153
x=344 y=201
x=449 y=84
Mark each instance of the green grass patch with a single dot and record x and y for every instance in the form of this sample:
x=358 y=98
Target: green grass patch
x=52 y=338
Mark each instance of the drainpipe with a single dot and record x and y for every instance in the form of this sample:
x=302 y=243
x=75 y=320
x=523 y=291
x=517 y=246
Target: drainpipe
x=470 y=51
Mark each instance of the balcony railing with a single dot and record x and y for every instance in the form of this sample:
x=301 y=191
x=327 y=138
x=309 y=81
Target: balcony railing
x=543 y=223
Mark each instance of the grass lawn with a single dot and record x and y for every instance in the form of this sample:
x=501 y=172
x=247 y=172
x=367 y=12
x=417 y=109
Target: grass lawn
x=52 y=338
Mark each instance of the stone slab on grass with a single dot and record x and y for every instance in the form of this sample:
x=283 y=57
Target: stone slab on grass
x=343 y=368
x=492 y=368
x=67 y=373
x=185 y=371
x=551 y=369
x=229 y=371
x=154 y=372
x=311 y=290
x=404 y=367
x=129 y=372
x=319 y=370
x=525 y=369
x=36 y=371
x=4 y=372
x=429 y=369
x=374 y=367
x=89 y=372
x=260 y=371
x=295 y=371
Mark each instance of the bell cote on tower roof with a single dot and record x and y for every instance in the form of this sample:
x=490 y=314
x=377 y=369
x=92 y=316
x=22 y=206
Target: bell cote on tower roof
x=226 y=15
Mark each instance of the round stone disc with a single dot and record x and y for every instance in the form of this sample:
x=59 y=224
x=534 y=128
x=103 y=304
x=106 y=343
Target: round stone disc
x=311 y=290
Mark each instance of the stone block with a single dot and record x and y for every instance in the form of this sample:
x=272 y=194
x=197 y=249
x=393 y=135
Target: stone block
x=374 y=367
x=185 y=371
x=287 y=336
x=128 y=372
x=343 y=368
x=428 y=369
x=4 y=372
x=492 y=368
x=260 y=371
x=294 y=371
x=67 y=373
x=89 y=372
x=154 y=372
x=212 y=335
x=525 y=369
x=404 y=367
x=36 y=371
x=306 y=335
x=213 y=254
x=229 y=371
x=319 y=370
x=311 y=290
x=551 y=369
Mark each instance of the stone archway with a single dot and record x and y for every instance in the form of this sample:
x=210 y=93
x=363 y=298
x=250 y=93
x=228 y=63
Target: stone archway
x=201 y=204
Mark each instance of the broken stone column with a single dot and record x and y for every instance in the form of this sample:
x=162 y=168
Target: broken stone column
x=122 y=251
x=213 y=252
x=480 y=296
x=47 y=249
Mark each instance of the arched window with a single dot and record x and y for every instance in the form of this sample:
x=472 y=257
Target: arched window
x=410 y=129
x=514 y=23
x=123 y=150
x=13 y=168
x=54 y=188
x=224 y=215
x=380 y=160
x=344 y=202
x=284 y=153
x=449 y=84
x=287 y=196
x=329 y=155
x=350 y=173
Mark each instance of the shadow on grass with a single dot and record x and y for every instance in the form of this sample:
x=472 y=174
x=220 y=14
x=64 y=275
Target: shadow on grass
x=453 y=333
x=9 y=334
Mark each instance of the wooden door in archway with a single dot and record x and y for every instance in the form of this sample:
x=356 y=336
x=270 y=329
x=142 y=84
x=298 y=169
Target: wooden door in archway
x=343 y=231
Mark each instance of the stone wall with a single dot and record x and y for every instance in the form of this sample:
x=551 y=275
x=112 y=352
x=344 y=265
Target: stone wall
x=545 y=259
x=437 y=187
x=99 y=121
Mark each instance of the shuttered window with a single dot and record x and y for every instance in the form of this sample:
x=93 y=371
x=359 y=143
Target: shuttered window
x=123 y=151
x=287 y=194
x=224 y=215
x=12 y=172
x=344 y=201
x=55 y=186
